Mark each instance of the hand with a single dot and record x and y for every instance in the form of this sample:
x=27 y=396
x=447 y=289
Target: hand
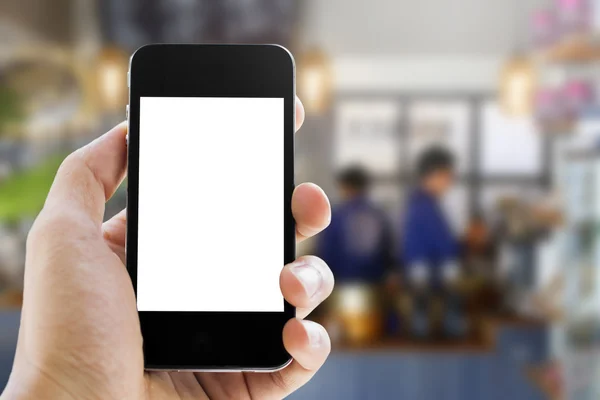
x=80 y=335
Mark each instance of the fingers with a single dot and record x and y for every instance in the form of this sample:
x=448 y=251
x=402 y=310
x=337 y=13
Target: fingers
x=88 y=177
x=311 y=210
x=114 y=231
x=308 y=343
x=299 y=113
x=306 y=283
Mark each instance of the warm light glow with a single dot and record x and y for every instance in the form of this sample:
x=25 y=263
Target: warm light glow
x=354 y=299
x=112 y=79
x=518 y=87
x=314 y=81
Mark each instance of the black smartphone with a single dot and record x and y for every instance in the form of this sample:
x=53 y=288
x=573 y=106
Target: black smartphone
x=209 y=220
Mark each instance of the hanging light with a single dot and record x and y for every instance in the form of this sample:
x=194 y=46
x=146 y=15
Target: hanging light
x=517 y=88
x=518 y=78
x=314 y=81
x=112 y=79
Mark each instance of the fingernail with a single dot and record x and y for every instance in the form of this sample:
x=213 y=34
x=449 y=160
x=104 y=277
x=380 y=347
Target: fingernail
x=315 y=336
x=309 y=276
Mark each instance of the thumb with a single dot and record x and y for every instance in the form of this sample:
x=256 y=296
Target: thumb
x=88 y=177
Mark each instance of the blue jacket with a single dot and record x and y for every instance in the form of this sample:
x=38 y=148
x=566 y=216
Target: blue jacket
x=358 y=243
x=426 y=234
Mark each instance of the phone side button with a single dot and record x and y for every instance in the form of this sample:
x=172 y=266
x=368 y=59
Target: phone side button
x=127 y=119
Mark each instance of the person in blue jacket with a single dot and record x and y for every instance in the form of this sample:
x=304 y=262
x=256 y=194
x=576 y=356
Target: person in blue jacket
x=430 y=250
x=358 y=243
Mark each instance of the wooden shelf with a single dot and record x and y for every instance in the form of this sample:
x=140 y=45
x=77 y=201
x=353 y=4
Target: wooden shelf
x=564 y=127
x=575 y=49
x=484 y=342
x=11 y=299
x=414 y=346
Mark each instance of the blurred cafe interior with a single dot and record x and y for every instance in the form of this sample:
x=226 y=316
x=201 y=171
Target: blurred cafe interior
x=458 y=141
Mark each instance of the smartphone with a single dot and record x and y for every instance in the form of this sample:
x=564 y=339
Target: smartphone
x=209 y=220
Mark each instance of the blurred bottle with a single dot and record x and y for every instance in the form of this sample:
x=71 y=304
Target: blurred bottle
x=479 y=248
x=356 y=314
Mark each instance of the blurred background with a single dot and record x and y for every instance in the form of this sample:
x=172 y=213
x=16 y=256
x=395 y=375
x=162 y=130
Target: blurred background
x=459 y=142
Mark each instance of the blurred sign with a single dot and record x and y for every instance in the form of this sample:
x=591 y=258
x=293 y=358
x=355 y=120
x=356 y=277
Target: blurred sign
x=136 y=22
x=436 y=123
x=366 y=134
x=509 y=146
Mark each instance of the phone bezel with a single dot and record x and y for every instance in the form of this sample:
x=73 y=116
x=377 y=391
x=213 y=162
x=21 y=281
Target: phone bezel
x=226 y=341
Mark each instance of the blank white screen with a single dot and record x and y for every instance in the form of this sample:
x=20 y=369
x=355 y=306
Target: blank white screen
x=210 y=229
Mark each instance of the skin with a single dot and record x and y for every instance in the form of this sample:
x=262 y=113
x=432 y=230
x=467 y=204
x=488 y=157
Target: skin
x=348 y=193
x=80 y=335
x=439 y=182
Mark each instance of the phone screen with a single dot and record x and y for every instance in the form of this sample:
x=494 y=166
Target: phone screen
x=210 y=212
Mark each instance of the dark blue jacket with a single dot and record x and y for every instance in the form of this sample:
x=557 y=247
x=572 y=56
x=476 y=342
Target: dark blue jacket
x=426 y=234
x=358 y=243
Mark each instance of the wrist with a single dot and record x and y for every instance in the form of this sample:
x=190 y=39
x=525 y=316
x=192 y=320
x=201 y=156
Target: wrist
x=34 y=386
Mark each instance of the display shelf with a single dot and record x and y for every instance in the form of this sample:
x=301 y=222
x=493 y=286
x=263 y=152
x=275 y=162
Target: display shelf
x=11 y=299
x=486 y=342
x=497 y=374
x=564 y=127
x=575 y=49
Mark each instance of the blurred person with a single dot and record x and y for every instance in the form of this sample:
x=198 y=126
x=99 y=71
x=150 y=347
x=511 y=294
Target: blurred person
x=357 y=246
x=430 y=251
x=80 y=335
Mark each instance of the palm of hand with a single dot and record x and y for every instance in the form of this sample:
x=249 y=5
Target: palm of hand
x=80 y=335
x=193 y=385
x=98 y=339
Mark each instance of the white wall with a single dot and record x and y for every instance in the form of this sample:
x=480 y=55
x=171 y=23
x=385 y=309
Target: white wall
x=436 y=73
x=417 y=26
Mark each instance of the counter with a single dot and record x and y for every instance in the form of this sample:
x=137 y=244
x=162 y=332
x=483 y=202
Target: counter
x=394 y=371
x=497 y=371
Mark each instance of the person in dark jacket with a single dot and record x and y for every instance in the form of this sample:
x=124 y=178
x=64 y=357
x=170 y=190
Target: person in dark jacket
x=430 y=250
x=358 y=243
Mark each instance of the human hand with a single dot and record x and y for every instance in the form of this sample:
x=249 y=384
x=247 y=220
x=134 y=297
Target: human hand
x=80 y=334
